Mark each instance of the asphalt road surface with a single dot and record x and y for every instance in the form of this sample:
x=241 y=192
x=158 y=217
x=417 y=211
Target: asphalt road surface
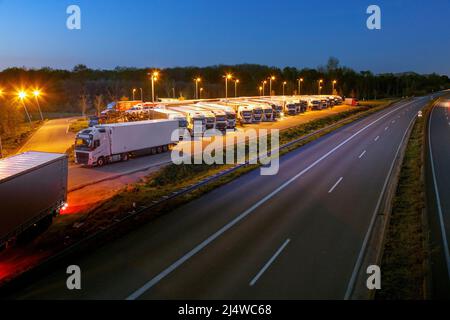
x=438 y=178
x=53 y=136
x=296 y=235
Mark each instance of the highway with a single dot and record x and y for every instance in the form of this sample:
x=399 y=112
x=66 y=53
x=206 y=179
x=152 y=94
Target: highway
x=438 y=189
x=296 y=235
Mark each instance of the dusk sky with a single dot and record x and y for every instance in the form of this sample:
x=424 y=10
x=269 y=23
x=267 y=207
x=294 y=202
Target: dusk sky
x=415 y=34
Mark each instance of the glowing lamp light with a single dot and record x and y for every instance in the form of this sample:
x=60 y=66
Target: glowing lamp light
x=22 y=95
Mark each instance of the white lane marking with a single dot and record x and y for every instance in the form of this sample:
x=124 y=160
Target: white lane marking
x=336 y=184
x=438 y=199
x=67 y=130
x=362 y=154
x=269 y=263
x=385 y=129
x=376 y=139
x=351 y=283
x=152 y=282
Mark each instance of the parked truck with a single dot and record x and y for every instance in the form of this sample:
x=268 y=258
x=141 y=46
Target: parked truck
x=195 y=119
x=229 y=111
x=33 y=190
x=221 y=116
x=109 y=143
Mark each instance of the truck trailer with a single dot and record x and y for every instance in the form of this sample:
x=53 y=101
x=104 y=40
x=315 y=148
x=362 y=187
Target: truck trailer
x=109 y=143
x=33 y=190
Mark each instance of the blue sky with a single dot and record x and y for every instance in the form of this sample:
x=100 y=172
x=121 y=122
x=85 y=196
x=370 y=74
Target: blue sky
x=415 y=34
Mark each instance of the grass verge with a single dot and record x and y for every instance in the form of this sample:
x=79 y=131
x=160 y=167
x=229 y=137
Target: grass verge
x=11 y=143
x=404 y=261
x=78 y=125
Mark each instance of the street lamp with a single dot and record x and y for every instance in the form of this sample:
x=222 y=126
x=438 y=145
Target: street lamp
x=201 y=91
x=22 y=95
x=300 y=86
x=284 y=85
x=154 y=77
x=272 y=78
x=334 y=84
x=264 y=87
x=227 y=77
x=197 y=80
x=36 y=94
x=260 y=90
x=235 y=87
x=320 y=85
x=134 y=91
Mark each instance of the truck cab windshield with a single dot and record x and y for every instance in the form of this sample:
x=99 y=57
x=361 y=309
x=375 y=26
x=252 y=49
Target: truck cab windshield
x=83 y=144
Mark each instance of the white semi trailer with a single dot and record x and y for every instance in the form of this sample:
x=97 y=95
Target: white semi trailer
x=33 y=190
x=109 y=143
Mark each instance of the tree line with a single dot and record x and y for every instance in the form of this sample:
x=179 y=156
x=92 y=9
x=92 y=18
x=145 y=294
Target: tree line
x=84 y=90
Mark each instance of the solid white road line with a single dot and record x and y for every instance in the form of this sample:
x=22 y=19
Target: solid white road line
x=268 y=264
x=352 y=281
x=438 y=199
x=385 y=129
x=362 y=154
x=139 y=292
x=376 y=139
x=336 y=184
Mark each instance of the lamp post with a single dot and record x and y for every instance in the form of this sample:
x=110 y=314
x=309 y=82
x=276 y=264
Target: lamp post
x=227 y=77
x=154 y=77
x=142 y=95
x=134 y=91
x=260 y=90
x=300 y=86
x=197 y=80
x=22 y=95
x=284 y=85
x=272 y=78
x=235 y=87
x=264 y=87
x=334 y=84
x=36 y=94
x=201 y=91
x=320 y=86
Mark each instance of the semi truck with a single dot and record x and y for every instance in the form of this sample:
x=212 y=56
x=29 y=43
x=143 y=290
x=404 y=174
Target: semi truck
x=221 y=115
x=277 y=107
x=168 y=114
x=243 y=111
x=229 y=111
x=110 y=143
x=193 y=117
x=33 y=190
x=210 y=117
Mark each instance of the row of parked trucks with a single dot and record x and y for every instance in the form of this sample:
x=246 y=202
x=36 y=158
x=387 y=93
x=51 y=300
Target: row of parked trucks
x=102 y=144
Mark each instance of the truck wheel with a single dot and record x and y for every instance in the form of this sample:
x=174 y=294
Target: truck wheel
x=100 y=162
